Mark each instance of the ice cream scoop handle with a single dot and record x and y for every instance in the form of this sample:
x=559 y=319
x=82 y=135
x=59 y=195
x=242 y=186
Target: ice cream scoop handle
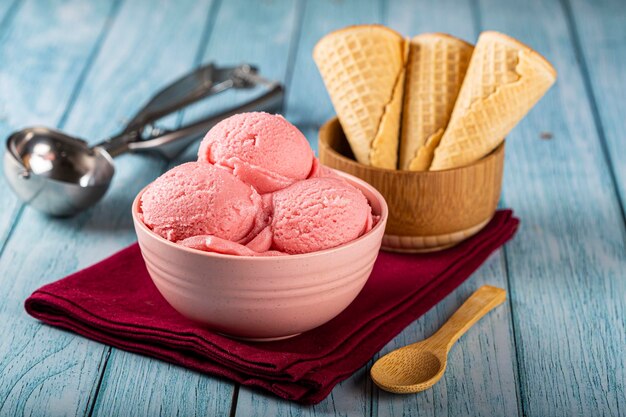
x=140 y=134
x=170 y=143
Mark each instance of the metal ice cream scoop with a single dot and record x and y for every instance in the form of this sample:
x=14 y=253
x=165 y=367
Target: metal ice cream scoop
x=61 y=175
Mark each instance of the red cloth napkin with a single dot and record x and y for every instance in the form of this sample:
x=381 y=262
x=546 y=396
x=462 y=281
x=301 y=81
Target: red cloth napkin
x=115 y=302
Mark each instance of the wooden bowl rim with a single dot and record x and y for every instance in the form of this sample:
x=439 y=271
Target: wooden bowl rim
x=327 y=148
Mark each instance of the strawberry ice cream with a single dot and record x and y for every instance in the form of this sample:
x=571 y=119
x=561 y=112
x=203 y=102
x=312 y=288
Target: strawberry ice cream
x=199 y=199
x=208 y=243
x=318 y=214
x=256 y=190
x=263 y=150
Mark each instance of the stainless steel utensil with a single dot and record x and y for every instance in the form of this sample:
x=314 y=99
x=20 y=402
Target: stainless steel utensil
x=61 y=175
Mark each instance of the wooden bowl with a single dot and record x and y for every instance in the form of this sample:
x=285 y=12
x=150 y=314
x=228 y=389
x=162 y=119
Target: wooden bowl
x=429 y=210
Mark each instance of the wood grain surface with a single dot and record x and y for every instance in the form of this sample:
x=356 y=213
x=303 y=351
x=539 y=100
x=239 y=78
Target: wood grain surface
x=304 y=105
x=418 y=366
x=481 y=379
x=174 y=51
x=556 y=347
x=267 y=46
x=568 y=262
x=43 y=371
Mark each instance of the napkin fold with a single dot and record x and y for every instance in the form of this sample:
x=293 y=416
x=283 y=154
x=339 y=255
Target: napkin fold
x=115 y=302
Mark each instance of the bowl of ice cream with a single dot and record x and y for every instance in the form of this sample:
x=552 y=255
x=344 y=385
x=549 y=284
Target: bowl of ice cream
x=262 y=297
x=250 y=247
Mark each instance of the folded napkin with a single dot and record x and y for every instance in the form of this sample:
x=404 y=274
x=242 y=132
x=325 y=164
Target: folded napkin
x=115 y=302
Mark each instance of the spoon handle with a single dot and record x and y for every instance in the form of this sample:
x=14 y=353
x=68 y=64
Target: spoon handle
x=473 y=309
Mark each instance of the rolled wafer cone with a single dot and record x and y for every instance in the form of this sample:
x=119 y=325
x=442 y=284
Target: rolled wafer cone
x=363 y=70
x=504 y=80
x=436 y=67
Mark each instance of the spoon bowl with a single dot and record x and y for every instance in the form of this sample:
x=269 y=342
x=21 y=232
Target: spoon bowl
x=411 y=367
x=54 y=172
x=419 y=366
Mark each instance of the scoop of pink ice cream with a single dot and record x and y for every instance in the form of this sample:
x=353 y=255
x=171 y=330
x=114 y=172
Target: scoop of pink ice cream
x=320 y=171
x=317 y=214
x=217 y=245
x=200 y=199
x=263 y=150
x=261 y=242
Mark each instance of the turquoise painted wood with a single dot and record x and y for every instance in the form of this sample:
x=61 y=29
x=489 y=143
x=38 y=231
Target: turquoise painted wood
x=567 y=266
x=167 y=56
x=38 y=80
x=308 y=106
x=9 y=206
x=493 y=387
x=8 y=9
x=268 y=46
x=600 y=35
x=481 y=378
x=233 y=40
x=557 y=348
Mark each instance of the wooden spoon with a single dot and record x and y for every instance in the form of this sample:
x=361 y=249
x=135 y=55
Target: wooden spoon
x=419 y=366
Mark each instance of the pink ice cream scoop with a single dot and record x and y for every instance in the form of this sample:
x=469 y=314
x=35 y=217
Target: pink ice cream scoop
x=317 y=214
x=261 y=149
x=200 y=199
x=215 y=244
x=318 y=170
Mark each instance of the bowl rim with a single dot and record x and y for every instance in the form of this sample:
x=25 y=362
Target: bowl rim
x=323 y=143
x=384 y=214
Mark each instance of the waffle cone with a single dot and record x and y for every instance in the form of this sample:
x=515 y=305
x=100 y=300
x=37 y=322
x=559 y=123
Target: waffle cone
x=363 y=70
x=504 y=80
x=435 y=70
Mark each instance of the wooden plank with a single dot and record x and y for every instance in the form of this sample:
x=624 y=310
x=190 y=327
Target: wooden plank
x=174 y=390
x=491 y=388
x=449 y=16
x=135 y=385
x=600 y=35
x=166 y=55
x=31 y=72
x=308 y=106
x=567 y=267
x=41 y=64
x=46 y=371
x=9 y=205
x=236 y=38
x=8 y=10
x=351 y=397
x=481 y=379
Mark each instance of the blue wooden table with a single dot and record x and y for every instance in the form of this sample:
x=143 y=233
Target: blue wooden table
x=556 y=348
